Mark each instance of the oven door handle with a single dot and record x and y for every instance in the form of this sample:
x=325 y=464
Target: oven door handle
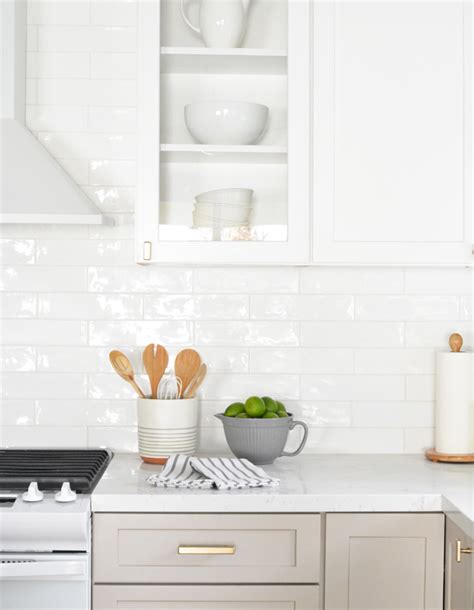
x=18 y=570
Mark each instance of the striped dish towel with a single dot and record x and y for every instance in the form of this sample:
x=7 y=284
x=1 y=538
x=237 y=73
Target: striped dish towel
x=204 y=473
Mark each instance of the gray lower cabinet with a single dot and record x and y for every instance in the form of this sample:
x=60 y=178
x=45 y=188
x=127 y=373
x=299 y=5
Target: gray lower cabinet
x=459 y=589
x=384 y=561
x=204 y=597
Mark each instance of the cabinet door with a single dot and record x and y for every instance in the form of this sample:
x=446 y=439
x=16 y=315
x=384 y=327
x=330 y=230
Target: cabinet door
x=392 y=132
x=459 y=574
x=272 y=67
x=384 y=562
x=237 y=597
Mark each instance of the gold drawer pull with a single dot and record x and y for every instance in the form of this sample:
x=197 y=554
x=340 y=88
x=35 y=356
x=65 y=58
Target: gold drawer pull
x=206 y=550
x=460 y=550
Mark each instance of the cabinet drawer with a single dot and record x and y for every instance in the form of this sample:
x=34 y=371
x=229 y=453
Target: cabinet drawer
x=202 y=597
x=206 y=548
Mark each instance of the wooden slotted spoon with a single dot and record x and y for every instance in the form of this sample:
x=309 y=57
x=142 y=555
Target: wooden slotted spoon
x=155 y=362
x=186 y=366
x=123 y=367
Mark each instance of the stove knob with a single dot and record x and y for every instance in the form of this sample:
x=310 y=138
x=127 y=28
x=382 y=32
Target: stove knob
x=33 y=494
x=66 y=494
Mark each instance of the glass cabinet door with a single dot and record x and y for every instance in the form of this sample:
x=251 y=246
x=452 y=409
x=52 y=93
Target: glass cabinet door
x=224 y=131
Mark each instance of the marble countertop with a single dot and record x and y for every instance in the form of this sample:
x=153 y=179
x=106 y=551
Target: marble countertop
x=308 y=483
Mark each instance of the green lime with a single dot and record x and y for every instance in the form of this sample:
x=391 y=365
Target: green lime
x=282 y=414
x=270 y=415
x=234 y=409
x=270 y=404
x=242 y=415
x=280 y=405
x=254 y=406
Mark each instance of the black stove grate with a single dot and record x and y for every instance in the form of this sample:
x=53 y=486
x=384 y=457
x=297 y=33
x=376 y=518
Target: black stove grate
x=51 y=467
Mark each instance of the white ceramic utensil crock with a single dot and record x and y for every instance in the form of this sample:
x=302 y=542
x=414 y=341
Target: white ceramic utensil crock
x=166 y=427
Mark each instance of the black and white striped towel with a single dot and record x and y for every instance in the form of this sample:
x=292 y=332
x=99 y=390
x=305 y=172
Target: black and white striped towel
x=204 y=473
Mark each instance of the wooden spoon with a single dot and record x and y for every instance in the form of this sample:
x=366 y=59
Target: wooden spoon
x=123 y=368
x=155 y=362
x=186 y=366
x=196 y=382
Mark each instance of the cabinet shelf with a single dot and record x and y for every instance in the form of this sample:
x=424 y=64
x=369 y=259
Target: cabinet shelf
x=212 y=153
x=201 y=60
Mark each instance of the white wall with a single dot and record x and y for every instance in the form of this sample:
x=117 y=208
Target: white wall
x=350 y=351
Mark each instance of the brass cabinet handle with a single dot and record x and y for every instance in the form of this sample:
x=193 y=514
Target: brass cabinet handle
x=206 y=550
x=147 y=250
x=460 y=551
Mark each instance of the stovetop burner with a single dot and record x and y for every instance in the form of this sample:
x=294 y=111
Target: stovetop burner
x=51 y=467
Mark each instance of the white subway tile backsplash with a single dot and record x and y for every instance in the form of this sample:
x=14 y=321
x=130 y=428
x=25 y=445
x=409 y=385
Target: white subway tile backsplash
x=383 y=414
x=86 y=413
x=353 y=387
x=350 y=350
x=352 y=281
x=439 y=281
x=17 y=251
x=43 y=279
x=436 y=334
x=304 y=360
x=396 y=362
x=84 y=252
x=420 y=387
x=57 y=65
x=43 y=385
x=247 y=281
x=407 y=307
x=246 y=333
x=140 y=333
x=196 y=307
x=114 y=65
x=17 y=413
x=109 y=12
x=140 y=279
x=301 y=307
x=43 y=332
x=17 y=305
x=17 y=359
x=83 y=306
x=352 y=334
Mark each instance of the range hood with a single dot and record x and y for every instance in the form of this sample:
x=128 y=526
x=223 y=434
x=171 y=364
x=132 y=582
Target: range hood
x=33 y=186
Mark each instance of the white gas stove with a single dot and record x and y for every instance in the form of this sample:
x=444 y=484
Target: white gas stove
x=45 y=527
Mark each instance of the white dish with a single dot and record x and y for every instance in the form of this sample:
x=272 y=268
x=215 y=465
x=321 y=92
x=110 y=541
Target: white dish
x=220 y=122
x=205 y=221
x=232 y=196
x=237 y=213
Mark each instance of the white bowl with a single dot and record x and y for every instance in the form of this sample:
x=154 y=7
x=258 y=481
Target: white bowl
x=225 y=122
x=237 y=213
x=234 y=196
x=208 y=221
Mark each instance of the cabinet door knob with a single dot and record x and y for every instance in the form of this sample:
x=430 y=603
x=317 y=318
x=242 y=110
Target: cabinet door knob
x=460 y=551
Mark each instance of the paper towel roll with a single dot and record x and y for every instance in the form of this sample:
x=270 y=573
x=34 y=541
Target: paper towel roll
x=454 y=416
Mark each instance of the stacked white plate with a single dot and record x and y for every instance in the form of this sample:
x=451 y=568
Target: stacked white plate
x=223 y=208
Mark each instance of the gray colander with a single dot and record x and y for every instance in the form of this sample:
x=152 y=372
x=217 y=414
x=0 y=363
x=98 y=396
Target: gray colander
x=261 y=440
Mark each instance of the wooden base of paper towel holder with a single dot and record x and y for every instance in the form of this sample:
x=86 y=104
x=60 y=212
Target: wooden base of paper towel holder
x=434 y=456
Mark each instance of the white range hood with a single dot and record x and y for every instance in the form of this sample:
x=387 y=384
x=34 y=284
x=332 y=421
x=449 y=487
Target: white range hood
x=33 y=186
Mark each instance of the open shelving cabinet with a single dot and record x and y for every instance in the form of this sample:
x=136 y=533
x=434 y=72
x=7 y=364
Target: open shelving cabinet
x=271 y=67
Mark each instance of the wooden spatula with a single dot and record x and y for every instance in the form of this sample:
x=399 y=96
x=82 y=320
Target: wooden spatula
x=186 y=366
x=196 y=382
x=123 y=367
x=155 y=361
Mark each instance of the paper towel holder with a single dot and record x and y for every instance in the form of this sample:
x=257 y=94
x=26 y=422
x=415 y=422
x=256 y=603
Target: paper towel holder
x=455 y=343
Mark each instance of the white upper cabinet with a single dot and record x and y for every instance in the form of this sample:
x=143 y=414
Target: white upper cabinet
x=392 y=132
x=270 y=67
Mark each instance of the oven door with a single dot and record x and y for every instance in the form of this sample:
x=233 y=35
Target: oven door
x=46 y=581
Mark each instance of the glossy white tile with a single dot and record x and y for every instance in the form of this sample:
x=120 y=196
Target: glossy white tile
x=114 y=65
x=43 y=385
x=140 y=333
x=439 y=281
x=112 y=173
x=240 y=387
x=112 y=198
x=43 y=279
x=420 y=387
x=42 y=436
x=19 y=359
x=353 y=387
x=436 y=334
x=81 y=359
x=352 y=334
x=196 y=307
x=110 y=12
x=43 y=332
x=52 y=12
x=17 y=413
x=69 y=38
x=407 y=307
x=301 y=360
x=246 y=333
x=393 y=414
x=352 y=280
x=302 y=307
x=57 y=65
x=59 y=118
x=247 y=281
x=116 y=439
x=17 y=251
x=83 y=306
x=17 y=305
x=394 y=361
x=84 y=252
x=89 y=145
x=418 y=440
x=86 y=413
x=140 y=279
x=355 y=440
